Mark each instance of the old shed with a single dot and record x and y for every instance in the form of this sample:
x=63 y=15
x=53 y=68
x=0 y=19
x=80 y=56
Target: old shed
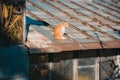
x=93 y=25
x=94 y=31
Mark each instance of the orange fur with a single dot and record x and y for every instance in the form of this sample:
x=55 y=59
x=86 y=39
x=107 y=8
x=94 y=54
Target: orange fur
x=59 y=30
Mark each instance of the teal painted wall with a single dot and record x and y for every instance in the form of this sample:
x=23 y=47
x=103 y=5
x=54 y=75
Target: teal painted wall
x=14 y=63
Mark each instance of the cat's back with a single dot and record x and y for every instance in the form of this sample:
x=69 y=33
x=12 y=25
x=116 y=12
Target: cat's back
x=58 y=30
x=57 y=27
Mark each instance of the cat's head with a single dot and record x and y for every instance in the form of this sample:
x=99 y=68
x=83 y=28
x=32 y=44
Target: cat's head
x=65 y=24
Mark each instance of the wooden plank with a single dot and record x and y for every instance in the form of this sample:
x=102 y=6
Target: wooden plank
x=81 y=32
x=44 y=46
x=102 y=46
x=44 y=31
x=84 y=28
x=64 y=45
x=39 y=43
x=30 y=7
x=96 y=12
x=75 y=17
x=105 y=10
x=34 y=49
x=80 y=12
x=66 y=10
x=106 y=5
x=61 y=20
x=111 y=4
x=55 y=47
x=72 y=46
x=51 y=21
x=113 y=45
x=39 y=40
x=70 y=30
x=84 y=5
x=42 y=15
x=92 y=46
x=81 y=38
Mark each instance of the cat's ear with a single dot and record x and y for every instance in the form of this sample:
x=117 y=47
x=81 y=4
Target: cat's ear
x=66 y=24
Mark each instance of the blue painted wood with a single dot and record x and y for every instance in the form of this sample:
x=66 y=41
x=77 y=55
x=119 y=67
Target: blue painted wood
x=14 y=63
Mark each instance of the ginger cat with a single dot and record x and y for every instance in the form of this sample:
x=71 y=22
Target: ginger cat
x=59 y=30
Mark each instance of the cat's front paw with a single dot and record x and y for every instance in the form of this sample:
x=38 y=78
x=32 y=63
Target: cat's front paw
x=60 y=38
x=64 y=38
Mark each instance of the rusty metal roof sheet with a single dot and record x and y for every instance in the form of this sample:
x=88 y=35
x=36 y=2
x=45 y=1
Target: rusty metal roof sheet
x=93 y=25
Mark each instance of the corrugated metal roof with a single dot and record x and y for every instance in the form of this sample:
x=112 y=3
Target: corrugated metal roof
x=93 y=25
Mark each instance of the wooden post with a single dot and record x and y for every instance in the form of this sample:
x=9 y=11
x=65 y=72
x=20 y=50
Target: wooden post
x=97 y=73
x=118 y=60
x=0 y=23
x=51 y=66
x=75 y=69
x=24 y=21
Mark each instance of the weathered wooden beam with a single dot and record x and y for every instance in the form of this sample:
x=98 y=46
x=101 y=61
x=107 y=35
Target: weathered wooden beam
x=110 y=4
x=105 y=11
x=62 y=20
x=92 y=11
x=75 y=69
x=66 y=55
x=109 y=7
